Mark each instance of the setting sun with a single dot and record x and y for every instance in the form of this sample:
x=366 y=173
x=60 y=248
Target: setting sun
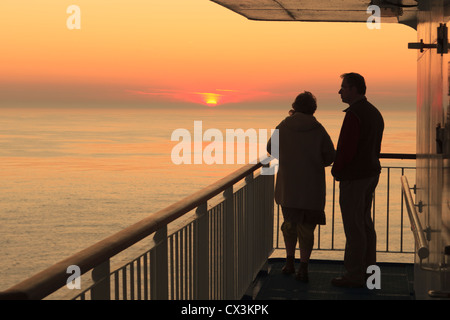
x=211 y=99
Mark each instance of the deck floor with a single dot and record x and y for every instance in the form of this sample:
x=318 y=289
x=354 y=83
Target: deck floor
x=396 y=283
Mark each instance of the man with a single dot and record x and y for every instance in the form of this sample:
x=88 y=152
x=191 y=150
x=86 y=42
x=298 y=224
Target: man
x=357 y=167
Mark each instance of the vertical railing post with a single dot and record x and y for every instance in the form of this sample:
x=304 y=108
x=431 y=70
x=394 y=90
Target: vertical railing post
x=401 y=215
x=269 y=187
x=201 y=254
x=333 y=211
x=387 y=207
x=101 y=277
x=159 y=278
x=229 y=244
x=250 y=222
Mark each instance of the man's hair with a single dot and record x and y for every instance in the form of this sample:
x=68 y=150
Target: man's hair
x=305 y=103
x=355 y=80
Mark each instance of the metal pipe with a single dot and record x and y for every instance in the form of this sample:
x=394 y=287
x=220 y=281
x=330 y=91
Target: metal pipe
x=416 y=226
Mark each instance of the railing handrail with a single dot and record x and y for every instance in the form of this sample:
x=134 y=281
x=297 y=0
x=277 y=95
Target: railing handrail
x=416 y=226
x=53 y=278
x=399 y=156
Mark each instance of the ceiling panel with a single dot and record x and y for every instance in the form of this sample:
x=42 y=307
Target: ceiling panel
x=392 y=11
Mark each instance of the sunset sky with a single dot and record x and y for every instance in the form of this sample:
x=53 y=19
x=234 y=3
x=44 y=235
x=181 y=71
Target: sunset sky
x=190 y=52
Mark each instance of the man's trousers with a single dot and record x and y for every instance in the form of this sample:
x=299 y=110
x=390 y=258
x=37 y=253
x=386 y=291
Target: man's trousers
x=355 y=200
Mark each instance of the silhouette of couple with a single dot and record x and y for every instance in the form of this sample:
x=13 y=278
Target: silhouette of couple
x=305 y=149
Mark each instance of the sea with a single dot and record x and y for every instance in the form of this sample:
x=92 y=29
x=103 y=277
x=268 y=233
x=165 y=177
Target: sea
x=72 y=176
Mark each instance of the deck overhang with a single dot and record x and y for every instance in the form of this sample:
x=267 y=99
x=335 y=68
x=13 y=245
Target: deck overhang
x=392 y=11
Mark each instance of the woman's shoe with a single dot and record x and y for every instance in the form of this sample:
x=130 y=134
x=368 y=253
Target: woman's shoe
x=289 y=267
x=302 y=273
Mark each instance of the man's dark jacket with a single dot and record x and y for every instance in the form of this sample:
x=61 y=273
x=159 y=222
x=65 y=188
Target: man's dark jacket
x=359 y=145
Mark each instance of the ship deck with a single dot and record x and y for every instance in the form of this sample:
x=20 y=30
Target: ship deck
x=396 y=283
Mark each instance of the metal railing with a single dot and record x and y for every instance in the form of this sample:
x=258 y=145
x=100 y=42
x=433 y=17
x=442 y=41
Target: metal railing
x=227 y=233
x=224 y=240
x=416 y=226
x=388 y=213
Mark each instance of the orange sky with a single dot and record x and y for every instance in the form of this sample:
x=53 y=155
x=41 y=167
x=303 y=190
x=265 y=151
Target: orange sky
x=186 y=51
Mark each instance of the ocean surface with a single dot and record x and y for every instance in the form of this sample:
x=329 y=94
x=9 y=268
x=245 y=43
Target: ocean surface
x=73 y=176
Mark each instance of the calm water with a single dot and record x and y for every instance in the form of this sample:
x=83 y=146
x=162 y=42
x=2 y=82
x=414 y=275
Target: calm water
x=73 y=177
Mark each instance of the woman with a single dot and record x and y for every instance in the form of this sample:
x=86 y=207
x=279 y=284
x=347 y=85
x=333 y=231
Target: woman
x=305 y=149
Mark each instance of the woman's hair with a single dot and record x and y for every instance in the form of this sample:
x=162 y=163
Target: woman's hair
x=305 y=103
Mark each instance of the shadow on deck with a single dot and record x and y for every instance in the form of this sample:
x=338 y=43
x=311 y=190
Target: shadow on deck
x=396 y=283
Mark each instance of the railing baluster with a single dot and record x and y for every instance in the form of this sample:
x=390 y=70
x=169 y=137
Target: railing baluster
x=139 y=279
x=202 y=254
x=186 y=263
x=146 y=277
x=229 y=244
x=387 y=208
x=401 y=214
x=159 y=266
x=189 y=266
x=181 y=263
x=116 y=286
x=250 y=221
x=101 y=277
x=333 y=214
x=132 y=280
x=124 y=283
x=278 y=229
x=172 y=268
x=175 y=260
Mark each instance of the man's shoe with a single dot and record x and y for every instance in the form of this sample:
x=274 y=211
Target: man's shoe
x=345 y=283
